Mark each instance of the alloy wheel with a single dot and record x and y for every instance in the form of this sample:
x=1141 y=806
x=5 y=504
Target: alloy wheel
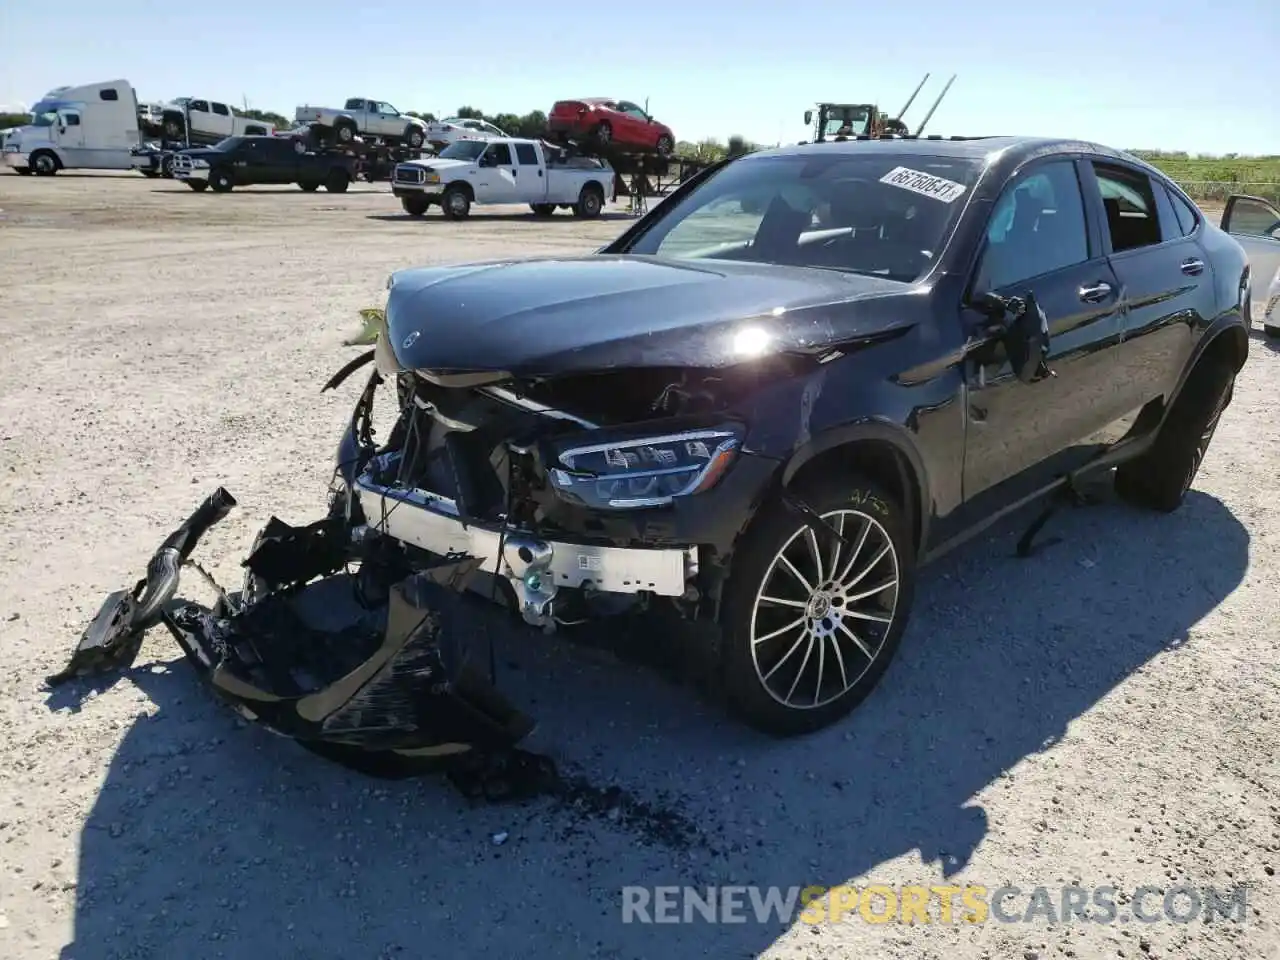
x=824 y=610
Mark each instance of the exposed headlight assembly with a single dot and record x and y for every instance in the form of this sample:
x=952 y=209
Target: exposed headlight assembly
x=649 y=471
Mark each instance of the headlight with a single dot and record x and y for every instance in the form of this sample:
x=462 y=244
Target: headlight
x=431 y=178
x=199 y=164
x=647 y=471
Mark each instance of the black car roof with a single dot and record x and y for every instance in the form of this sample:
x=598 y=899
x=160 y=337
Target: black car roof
x=1012 y=148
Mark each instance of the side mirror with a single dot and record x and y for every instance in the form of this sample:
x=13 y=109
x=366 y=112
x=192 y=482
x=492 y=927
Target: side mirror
x=1020 y=323
x=808 y=117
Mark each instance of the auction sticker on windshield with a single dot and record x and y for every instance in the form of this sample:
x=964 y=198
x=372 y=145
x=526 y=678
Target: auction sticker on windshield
x=925 y=184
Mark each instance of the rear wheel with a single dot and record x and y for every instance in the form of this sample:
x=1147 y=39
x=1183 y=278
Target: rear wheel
x=810 y=623
x=415 y=206
x=221 y=181
x=345 y=131
x=456 y=202
x=665 y=146
x=543 y=209
x=604 y=132
x=337 y=181
x=590 y=202
x=173 y=129
x=414 y=138
x=1161 y=477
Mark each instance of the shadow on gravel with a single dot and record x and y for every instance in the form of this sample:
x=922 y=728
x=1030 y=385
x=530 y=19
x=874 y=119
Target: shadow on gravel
x=437 y=217
x=208 y=840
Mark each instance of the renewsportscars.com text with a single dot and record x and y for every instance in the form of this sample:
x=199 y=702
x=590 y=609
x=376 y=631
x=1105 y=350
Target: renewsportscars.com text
x=971 y=904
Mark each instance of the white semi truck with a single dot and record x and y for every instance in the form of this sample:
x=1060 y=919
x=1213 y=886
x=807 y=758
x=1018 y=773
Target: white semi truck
x=92 y=127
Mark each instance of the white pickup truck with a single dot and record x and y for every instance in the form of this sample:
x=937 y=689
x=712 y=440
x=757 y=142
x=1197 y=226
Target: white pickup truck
x=364 y=118
x=503 y=171
x=199 y=121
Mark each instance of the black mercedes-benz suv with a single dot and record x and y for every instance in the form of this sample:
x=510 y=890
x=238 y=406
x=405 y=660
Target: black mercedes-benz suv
x=768 y=402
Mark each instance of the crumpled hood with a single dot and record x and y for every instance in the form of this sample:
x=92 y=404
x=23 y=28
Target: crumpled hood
x=548 y=316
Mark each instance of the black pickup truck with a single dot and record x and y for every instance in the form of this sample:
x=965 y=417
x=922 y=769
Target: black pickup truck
x=245 y=161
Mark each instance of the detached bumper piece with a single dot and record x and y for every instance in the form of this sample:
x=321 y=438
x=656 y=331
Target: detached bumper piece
x=367 y=670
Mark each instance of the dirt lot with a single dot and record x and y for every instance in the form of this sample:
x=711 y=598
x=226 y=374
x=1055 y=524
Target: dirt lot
x=1103 y=714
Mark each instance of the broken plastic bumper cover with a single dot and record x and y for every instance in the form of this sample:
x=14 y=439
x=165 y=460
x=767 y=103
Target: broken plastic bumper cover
x=365 y=670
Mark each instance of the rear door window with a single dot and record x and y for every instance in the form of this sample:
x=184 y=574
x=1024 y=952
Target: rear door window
x=527 y=156
x=1187 y=216
x=1130 y=205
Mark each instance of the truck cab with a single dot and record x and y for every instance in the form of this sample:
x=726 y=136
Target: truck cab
x=506 y=170
x=94 y=127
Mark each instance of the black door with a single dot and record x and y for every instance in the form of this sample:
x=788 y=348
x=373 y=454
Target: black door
x=1166 y=284
x=1021 y=437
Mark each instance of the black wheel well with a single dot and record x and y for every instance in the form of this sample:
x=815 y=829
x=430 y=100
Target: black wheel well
x=878 y=460
x=1232 y=345
x=593 y=186
x=464 y=186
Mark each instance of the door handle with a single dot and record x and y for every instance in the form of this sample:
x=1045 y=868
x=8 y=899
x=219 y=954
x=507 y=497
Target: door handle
x=1096 y=293
x=1192 y=267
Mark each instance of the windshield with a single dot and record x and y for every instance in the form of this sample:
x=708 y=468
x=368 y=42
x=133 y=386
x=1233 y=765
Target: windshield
x=230 y=143
x=886 y=214
x=464 y=150
x=847 y=122
x=45 y=113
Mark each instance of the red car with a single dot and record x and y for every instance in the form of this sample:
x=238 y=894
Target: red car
x=609 y=121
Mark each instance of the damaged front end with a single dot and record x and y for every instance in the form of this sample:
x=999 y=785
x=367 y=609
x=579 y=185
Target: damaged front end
x=370 y=667
x=350 y=634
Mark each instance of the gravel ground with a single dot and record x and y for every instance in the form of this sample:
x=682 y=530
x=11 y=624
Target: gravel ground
x=1104 y=713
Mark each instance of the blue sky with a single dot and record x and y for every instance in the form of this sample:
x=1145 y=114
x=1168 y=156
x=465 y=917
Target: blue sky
x=1195 y=76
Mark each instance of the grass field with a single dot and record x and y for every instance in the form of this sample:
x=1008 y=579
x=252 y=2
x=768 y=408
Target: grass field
x=1215 y=178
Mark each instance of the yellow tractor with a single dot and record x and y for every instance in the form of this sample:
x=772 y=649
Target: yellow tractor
x=842 y=121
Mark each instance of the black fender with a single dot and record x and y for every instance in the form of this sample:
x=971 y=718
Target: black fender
x=912 y=477
x=1230 y=325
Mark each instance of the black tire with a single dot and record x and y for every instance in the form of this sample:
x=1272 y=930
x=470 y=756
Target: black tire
x=1160 y=478
x=834 y=624
x=199 y=186
x=590 y=202
x=414 y=137
x=309 y=186
x=221 y=181
x=173 y=129
x=456 y=202
x=1271 y=331
x=665 y=146
x=344 y=131
x=45 y=163
x=415 y=206
x=337 y=181
x=604 y=132
x=543 y=209
x=166 y=167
